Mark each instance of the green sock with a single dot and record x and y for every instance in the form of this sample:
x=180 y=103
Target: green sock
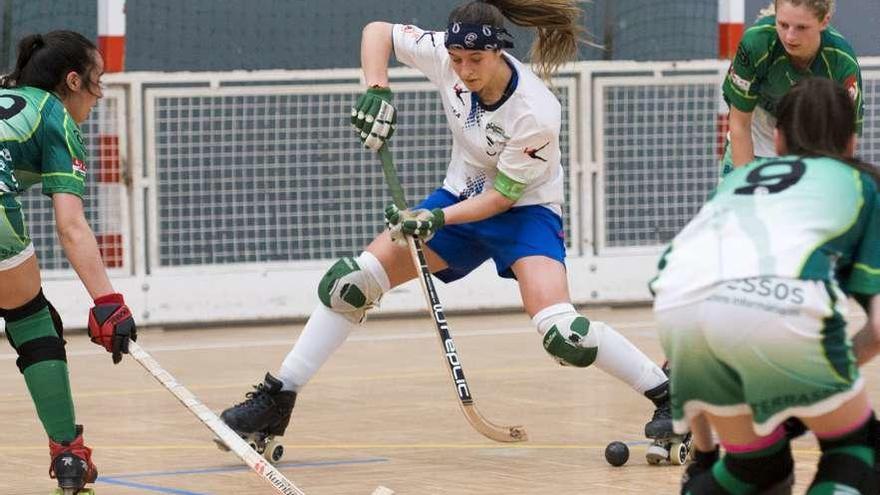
x=47 y=381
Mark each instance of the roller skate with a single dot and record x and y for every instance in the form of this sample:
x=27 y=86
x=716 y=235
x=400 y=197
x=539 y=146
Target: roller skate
x=72 y=466
x=263 y=415
x=665 y=446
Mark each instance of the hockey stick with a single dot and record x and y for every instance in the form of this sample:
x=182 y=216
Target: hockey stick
x=466 y=401
x=235 y=443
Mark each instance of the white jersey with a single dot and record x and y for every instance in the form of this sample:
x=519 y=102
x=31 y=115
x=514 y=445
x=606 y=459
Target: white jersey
x=763 y=125
x=519 y=136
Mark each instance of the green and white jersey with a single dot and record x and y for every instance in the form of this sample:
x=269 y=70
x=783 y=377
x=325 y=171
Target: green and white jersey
x=787 y=217
x=761 y=74
x=39 y=142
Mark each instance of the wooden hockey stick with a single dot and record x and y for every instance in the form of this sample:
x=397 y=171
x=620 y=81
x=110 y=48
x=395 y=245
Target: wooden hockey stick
x=466 y=401
x=235 y=443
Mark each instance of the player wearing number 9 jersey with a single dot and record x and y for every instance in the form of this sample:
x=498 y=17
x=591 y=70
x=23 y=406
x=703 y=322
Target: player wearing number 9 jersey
x=791 y=40
x=55 y=84
x=750 y=301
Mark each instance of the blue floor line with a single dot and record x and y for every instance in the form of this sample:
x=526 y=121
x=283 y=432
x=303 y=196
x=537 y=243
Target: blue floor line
x=152 y=488
x=230 y=469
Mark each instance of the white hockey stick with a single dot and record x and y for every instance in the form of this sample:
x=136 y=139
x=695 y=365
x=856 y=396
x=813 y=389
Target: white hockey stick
x=487 y=428
x=232 y=440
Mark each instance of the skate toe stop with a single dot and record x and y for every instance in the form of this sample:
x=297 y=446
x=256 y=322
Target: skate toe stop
x=383 y=490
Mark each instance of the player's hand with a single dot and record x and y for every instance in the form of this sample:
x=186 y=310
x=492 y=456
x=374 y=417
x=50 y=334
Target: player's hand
x=421 y=223
x=373 y=117
x=111 y=325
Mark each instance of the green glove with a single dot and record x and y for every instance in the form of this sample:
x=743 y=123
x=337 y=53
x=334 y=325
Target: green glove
x=373 y=117
x=421 y=223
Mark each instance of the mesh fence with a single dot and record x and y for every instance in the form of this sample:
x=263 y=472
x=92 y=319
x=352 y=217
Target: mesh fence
x=869 y=144
x=660 y=163
x=246 y=178
x=661 y=159
x=103 y=198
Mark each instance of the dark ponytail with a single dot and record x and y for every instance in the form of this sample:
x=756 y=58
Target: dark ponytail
x=44 y=60
x=817 y=118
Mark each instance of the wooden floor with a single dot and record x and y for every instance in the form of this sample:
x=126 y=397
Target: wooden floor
x=381 y=412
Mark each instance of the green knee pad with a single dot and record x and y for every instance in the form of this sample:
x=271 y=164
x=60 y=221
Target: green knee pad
x=847 y=464
x=349 y=290
x=573 y=341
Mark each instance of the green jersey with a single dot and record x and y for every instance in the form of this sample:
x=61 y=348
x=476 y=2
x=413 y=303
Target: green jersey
x=39 y=142
x=788 y=217
x=761 y=74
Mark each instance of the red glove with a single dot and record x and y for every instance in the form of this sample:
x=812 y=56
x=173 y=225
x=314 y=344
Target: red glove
x=111 y=325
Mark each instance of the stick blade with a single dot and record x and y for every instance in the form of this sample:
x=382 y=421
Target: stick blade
x=492 y=431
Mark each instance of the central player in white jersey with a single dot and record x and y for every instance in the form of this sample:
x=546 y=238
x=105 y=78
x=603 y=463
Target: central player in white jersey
x=501 y=200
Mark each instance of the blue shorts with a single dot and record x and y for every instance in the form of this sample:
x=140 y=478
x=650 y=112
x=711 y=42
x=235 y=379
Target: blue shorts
x=518 y=232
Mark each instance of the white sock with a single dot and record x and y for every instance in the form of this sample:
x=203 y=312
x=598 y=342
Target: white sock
x=325 y=331
x=323 y=334
x=621 y=359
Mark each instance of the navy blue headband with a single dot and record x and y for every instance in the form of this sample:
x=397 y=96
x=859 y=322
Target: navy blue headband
x=464 y=36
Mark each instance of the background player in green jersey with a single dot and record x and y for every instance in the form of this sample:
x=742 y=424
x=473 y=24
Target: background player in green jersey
x=790 y=41
x=55 y=84
x=749 y=305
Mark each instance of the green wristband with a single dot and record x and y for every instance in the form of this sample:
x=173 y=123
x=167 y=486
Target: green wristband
x=509 y=188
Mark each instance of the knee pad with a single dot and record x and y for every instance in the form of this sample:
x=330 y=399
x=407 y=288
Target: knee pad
x=768 y=472
x=44 y=348
x=847 y=463
x=349 y=288
x=571 y=339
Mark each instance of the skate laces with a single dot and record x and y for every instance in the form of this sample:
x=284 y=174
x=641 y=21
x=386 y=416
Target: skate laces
x=259 y=397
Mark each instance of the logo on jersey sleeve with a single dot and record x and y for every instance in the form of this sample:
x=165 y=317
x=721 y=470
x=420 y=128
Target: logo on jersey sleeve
x=737 y=80
x=79 y=167
x=852 y=87
x=533 y=152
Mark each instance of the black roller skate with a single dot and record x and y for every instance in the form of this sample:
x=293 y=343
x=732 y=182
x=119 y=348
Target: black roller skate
x=666 y=446
x=72 y=466
x=263 y=415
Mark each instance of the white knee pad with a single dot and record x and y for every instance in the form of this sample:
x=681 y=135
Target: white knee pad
x=570 y=338
x=353 y=285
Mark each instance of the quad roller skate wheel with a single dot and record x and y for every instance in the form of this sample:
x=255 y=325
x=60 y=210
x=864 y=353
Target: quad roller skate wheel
x=72 y=491
x=274 y=451
x=678 y=453
x=656 y=453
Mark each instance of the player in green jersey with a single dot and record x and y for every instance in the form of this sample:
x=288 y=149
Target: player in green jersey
x=790 y=41
x=54 y=86
x=750 y=303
